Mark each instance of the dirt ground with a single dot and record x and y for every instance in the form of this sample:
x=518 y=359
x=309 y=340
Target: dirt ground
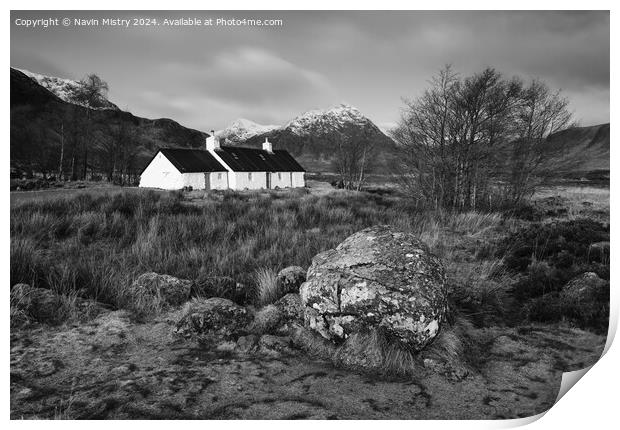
x=112 y=368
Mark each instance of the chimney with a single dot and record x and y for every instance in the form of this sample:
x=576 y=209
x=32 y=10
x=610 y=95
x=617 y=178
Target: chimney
x=213 y=142
x=267 y=146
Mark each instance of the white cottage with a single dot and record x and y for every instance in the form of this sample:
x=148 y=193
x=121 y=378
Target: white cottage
x=223 y=167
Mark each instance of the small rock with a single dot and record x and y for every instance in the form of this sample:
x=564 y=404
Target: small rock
x=25 y=393
x=170 y=290
x=582 y=288
x=227 y=346
x=39 y=304
x=246 y=344
x=290 y=279
x=274 y=345
x=121 y=370
x=585 y=300
x=454 y=373
x=266 y=320
x=214 y=316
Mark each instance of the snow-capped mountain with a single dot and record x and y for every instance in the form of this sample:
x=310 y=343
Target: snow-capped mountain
x=311 y=137
x=327 y=120
x=315 y=122
x=66 y=89
x=243 y=129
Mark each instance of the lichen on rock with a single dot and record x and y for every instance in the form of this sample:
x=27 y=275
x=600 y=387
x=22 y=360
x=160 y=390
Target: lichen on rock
x=376 y=278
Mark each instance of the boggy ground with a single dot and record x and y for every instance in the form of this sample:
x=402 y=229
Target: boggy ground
x=113 y=368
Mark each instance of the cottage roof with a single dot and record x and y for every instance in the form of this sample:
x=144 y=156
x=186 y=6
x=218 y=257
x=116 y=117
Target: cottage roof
x=242 y=159
x=192 y=160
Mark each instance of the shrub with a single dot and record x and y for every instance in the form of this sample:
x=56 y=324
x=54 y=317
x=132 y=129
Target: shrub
x=549 y=255
x=545 y=308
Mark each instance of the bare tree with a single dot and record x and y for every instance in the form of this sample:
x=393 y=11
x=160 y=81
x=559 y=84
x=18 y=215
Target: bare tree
x=92 y=94
x=118 y=150
x=62 y=151
x=425 y=163
x=453 y=139
x=532 y=158
x=356 y=149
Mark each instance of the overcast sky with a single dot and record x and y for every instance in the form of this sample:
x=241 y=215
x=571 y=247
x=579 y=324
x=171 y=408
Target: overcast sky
x=206 y=77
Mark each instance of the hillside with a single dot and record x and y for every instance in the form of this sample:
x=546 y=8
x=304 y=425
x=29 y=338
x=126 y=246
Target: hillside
x=40 y=118
x=588 y=145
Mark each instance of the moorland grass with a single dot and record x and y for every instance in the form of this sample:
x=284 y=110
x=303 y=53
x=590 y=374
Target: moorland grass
x=96 y=245
x=231 y=244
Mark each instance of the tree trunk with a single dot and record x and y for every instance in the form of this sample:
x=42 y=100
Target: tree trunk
x=62 y=151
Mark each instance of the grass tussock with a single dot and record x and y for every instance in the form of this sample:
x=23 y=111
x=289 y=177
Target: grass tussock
x=267 y=288
x=453 y=351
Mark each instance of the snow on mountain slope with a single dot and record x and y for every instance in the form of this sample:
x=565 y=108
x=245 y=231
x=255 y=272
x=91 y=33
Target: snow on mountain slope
x=315 y=122
x=66 y=89
x=327 y=120
x=243 y=129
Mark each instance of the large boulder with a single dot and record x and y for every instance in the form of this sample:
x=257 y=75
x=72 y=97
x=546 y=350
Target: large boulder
x=377 y=278
x=213 y=317
x=168 y=289
x=290 y=279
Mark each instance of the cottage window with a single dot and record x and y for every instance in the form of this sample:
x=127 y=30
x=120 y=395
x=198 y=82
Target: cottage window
x=279 y=176
x=249 y=176
x=219 y=176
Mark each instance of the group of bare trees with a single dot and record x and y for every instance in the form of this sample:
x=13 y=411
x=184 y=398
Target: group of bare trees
x=106 y=149
x=355 y=153
x=478 y=141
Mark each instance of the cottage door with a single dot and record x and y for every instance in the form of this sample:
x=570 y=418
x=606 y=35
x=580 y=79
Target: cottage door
x=207 y=181
x=268 y=180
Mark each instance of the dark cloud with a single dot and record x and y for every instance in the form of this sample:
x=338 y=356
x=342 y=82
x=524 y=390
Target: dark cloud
x=207 y=77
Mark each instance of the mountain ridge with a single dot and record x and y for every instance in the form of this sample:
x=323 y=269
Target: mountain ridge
x=38 y=113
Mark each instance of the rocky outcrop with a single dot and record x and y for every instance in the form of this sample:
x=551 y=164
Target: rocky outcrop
x=170 y=290
x=213 y=317
x=377 y=278
x=290 y=279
